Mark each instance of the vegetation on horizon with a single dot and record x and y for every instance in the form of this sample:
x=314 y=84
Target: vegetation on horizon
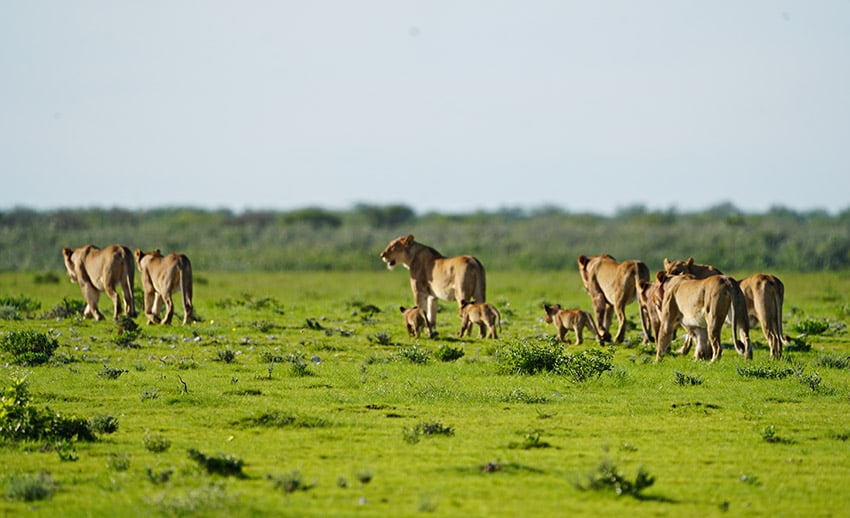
x=547 y=238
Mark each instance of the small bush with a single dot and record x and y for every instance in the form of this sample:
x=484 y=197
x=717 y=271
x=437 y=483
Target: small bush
x=289 y=482
x=527 y=356
x=811 y=326
x=104 y=424
x=156 y=442
x=531 y=441
x=686 y=379
x=381 y=338
x=30 y=487
x=17 y=306
x=110 y=373
x=414 y=354
x=225 y=355
x=765 y=371
x=65 y=309
x=833 y=361
x=21 y=421
x=118 y=461
x=66 y=451
x=262 y=326
x=607 y=477
x=159 y=477
x=412 y=434
x=127 y=331
x=29 y=347
x=220 y=464
x=447 y=353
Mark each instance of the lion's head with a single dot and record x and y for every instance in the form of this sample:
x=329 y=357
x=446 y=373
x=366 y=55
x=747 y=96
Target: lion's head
x=397 y=251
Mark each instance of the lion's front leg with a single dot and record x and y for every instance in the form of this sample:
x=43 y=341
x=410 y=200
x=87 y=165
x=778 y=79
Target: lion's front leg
x=602 y=312
x=431 y=314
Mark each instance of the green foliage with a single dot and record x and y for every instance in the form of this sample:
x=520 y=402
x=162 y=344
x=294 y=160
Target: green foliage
x=533 y=356
x=606 y=477
x=118 y=461
x=414 y=354
x=30 y=487
x=17 y=308
x=127 y=331
x=833 y=360
x=156 y=442
x=766 y=371
x=413 y=434
x=111 y=373
x=104 y=424
x=811 y=326
x=530 y=441
x=289 y=482
x=21 y=421
x=219 y=464
x=381 y=338
x=447 y=353
x=225 y=355
x=29 y=347
x=687 y=379
x=65 y=309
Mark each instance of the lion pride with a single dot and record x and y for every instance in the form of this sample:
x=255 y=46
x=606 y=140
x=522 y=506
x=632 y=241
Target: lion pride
x=97 y=270
x=161 y=276
x=763 y=292
x=701 y=306
x=433 y=276
x=611 y=285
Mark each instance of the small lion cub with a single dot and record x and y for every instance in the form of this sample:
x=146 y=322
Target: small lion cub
x=566 y=319
x=414 y=319
x=484 y=314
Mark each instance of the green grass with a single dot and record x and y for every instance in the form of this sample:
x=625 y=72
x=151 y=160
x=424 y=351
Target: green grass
x=318 y=418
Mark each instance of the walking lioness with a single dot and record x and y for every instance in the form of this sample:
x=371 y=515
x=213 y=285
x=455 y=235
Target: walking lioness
x=611 y=285
x=433 y=276
x=161 y=277
x=97 y=270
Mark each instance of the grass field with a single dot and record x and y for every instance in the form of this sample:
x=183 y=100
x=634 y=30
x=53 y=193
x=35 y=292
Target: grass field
x=307 y=388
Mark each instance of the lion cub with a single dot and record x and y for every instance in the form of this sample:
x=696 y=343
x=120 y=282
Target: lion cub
x=484 y=314
x=566 y=319
x=414 y=319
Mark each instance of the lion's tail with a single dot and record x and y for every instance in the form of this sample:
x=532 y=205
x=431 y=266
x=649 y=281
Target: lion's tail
x=130 y=268
x=740 y=321
x=480 y=286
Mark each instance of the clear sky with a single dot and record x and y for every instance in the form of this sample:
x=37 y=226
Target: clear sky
x=447 y=105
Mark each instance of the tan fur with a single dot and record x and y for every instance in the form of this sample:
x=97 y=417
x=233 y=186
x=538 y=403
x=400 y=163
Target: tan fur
x=611 y=286
x=415 y=321
x=485 y=315
x=434 y=277
x=688 y=266
x=649 y=297
x=765 y=295
x=97 y=270
x=161 y=277
x=569 y=319
x=701 y=307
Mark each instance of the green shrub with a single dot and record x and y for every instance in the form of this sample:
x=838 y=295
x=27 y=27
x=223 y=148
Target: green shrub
x=127 y=331
x=289 y=482
x=413 y=433
x=225 y=355
x=607 y=477
x=110 y=373
x=686 y=379
x=811 y=326
x=447 y=353
x=30 y=487
x=104 y=424
x=765 y=371
x=18 y=306
x=118 y=461
x=527 y=356
x=66 y=308
x=220 y=464
x=21 y=421
x=414 y=354
x=833 y=361
x=381 y=338
x=156 y=442
x=29 y=347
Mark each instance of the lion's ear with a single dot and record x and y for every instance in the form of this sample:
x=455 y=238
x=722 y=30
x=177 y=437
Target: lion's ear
x=156 y=252
x=690 y=261
x=401 y=308
x=138 y=253
x=661 y=276
x=666 y=263
x=407 y=240
x=582 y=260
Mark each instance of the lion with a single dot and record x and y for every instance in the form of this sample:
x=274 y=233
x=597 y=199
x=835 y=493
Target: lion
x=764 y=295
x=611 y=285
x=97 y=270
x=701 y=307
x=566 y=319
x=649 y=297
x=415 y=321
x=481 y=313
x=434 y=277
x=161 y=276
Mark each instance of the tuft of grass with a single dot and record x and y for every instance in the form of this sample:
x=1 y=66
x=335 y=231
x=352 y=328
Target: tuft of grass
x=289 y=482
x=28 y=347
x=686 y=379
x=156 y=442
x=447 y=353
x=414 y=354
x=428 y=428
x=30 y=487
x=219 y=464
x=606 y=477
x=811 y=326
x=381 y=338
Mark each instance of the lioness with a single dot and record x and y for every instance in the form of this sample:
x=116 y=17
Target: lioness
x=433 y=276
x=701 y=306
x=566 y=319
x=414 y=320
x=611 y=285
x=97 y=270
x=764 y=294
x=161 y=276
x=481 y=313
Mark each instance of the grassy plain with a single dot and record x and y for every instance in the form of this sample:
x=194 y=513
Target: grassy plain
x=321 y=397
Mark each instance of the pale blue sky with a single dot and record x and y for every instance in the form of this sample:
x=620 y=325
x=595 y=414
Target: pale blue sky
x=441 y=105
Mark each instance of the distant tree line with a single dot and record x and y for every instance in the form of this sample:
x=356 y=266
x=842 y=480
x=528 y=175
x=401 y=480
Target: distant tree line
x=545 y=238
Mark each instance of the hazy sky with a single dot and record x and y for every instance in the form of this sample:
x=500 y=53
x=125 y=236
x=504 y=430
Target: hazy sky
x=440 y=105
